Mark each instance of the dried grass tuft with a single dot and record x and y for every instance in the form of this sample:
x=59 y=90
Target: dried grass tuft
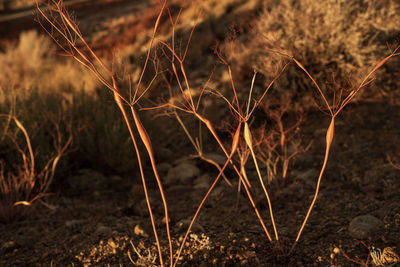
x=33 y=64
x=336 y=40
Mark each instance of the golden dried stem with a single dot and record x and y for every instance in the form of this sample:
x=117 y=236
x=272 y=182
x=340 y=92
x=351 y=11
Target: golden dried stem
x=248 y=139
x=329 y=138
x=235 y=143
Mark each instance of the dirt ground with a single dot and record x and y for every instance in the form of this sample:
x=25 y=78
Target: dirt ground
x=95 y=219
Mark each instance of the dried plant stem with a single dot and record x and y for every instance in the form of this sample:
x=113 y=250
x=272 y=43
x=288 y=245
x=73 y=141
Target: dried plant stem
x=146 y=140
x=211 y=129
x=146 y=193
x=23 y=183
x=244 y=174
x=69 y=31
x=55 y=162
x=242 y=180
x=248 y=139
x=28 y=142
x=212 y=162
x=235 y=144
x=193 y=110
x=198 y=148
x=119 y=103
x=329 y=138
x=334 y=111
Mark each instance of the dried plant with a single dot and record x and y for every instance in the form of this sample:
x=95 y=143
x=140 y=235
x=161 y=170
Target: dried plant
x=189 y=102
x=65 y=32
x=278 y=144
x=385 y=257
x=355 y=259
x=334 y=40
x=25 y=184
x=334 y=109
x=148 y=260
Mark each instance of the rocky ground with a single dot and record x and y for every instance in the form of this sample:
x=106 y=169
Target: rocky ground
x=94 y=219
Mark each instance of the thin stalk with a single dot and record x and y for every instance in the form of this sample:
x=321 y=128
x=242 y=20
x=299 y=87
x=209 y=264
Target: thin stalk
x=329 y=139
x=213 y=132
x=28 y=142
x=69 y=30
x=128 y=125
x=243 y=171
x=216 y=166
x=198 y=147
x=178 y=118
x=235 y=144
x=146 y=140
x=55 y=162
x=248 y=139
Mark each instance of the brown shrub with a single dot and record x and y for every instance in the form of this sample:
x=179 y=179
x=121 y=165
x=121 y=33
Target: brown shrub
x=336 y=40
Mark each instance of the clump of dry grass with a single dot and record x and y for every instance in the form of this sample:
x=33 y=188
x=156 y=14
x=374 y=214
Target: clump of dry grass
x=33 y=64
x=336 y=40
